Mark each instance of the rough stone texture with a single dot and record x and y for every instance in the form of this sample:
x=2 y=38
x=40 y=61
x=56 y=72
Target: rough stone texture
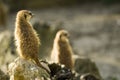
x=22 y=69
x=3 y=76
x=7 y=49
x=88 y=76
x=84 y=65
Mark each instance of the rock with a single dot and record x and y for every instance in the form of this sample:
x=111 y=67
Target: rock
x=22 y=69
x=7 y=49
x=54 y=68
x=83 y=66
x=3 y=76
x=60 y=72
x=88 y=76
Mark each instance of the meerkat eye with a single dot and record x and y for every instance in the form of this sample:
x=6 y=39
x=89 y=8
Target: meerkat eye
x=65 y=34
x=30 y=13
x=60 y=36
x=25 y=16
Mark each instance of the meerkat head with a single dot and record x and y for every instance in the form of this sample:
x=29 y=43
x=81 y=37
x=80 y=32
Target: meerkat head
x=62 y=35
x=24 y=15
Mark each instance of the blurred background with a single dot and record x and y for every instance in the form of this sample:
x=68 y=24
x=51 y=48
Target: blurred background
x=94 y=27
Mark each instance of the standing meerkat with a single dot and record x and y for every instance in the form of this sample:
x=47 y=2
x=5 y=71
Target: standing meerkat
x=62 y=51
x=27 y=40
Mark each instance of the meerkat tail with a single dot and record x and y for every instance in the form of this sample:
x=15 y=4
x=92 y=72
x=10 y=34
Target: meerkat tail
x=42 y=66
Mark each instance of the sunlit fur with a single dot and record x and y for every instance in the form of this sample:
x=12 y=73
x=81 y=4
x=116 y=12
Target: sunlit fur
x=27 y=40
x=62 y=51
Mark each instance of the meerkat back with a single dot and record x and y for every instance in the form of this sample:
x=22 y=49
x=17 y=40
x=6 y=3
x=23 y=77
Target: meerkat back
x=26 y=38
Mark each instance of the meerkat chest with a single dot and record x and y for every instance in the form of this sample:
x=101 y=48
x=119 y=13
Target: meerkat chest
x=27 y=33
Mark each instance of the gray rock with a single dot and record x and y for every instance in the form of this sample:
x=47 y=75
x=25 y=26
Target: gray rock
x=3 y=76
x=22 y=69
x=84 y=65
x=7 y=49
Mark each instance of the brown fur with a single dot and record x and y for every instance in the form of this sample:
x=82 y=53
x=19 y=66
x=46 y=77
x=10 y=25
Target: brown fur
x=62 y=51
x=27 y=40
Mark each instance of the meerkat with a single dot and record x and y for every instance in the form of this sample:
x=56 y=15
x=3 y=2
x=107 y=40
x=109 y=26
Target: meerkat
x=27 y=40
x=62 y=51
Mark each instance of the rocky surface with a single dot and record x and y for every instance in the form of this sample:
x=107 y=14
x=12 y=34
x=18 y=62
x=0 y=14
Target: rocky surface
x=3 y=76
x=84 y=66
x=22 y=69
x=7 y=49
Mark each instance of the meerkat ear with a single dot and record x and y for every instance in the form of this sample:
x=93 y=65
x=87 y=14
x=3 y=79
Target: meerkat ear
x=60 y=36
x=25 y=16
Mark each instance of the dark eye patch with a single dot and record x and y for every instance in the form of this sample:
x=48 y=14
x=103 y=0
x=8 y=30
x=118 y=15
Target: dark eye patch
x=30 y=13
x=65 y=34
x=25 y=16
